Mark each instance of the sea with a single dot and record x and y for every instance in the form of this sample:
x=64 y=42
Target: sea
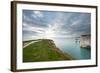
x=72 y=47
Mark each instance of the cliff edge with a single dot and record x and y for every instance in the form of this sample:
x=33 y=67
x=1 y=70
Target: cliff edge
x=85 y=41
x=43 y=50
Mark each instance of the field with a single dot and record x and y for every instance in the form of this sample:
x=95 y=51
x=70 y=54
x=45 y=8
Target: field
x=42 y=50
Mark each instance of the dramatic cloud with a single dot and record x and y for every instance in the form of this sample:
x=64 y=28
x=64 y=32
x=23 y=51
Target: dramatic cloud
x=50 y=24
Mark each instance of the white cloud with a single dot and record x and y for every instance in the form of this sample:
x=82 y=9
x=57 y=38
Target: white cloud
x=56 y=26
x=38 y=14
x=76 y=23
x=26 y=25
x=38 y=30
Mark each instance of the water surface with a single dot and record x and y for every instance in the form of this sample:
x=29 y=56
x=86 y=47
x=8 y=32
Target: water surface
x=72 y=47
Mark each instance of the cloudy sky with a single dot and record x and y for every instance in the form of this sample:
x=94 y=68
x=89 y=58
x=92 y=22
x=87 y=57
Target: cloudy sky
x=51 y=24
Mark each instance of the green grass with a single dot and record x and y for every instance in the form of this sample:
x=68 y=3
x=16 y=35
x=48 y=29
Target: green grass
x=44 y=50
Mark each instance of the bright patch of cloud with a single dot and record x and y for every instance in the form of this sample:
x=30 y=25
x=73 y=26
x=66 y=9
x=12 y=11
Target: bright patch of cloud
x=38 y=14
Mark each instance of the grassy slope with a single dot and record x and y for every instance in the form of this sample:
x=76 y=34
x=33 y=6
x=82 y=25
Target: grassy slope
x=44 y=50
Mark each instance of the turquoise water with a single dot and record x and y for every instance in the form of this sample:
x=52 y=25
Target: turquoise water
x=72 y=47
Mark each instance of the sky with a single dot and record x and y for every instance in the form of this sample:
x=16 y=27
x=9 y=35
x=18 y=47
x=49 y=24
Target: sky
x=54 y=24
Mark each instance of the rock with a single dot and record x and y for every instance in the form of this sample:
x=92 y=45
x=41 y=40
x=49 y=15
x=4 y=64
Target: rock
x=85 y=41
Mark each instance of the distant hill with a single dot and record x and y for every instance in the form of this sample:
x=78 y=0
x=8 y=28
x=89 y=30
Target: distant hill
x=43 y=50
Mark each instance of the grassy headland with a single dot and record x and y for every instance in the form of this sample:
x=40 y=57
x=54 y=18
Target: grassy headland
x=43 y=50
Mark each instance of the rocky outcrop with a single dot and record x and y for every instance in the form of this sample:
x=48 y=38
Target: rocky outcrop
x=85 y=41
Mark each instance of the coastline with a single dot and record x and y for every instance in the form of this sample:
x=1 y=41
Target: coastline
x=44 y=50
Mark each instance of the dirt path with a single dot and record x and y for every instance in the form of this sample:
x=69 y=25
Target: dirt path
x=29 y=43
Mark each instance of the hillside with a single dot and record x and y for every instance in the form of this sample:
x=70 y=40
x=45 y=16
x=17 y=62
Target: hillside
x=43 y=50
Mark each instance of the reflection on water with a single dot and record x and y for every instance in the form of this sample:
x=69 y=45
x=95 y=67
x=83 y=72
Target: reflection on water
x=72 y=47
